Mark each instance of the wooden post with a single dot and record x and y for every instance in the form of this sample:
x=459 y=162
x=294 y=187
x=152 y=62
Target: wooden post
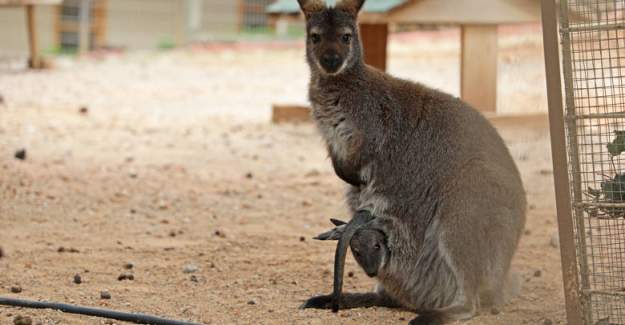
x=560 y=170
x=374 y=42
x=478 y=70
x=84 y=30
x=34 y=62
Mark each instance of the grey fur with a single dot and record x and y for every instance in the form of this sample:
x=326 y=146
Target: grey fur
x=432 y=170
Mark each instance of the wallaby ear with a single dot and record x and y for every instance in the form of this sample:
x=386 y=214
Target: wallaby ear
x=351 y=6
x=310 y=6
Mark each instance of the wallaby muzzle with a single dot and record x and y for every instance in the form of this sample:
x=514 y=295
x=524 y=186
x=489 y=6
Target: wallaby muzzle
x=331 y=62
x=360 y=219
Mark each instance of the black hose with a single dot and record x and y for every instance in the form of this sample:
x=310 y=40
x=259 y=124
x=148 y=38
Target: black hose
x=97 y=312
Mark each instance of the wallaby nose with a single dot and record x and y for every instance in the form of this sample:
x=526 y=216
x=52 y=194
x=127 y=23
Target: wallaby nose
x=331 y=62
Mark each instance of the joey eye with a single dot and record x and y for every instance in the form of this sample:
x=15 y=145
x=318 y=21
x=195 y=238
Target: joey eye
x=315 y=38
x=347 y=38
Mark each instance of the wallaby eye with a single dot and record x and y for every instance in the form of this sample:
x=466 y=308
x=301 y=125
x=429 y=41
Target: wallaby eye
x=315 y=38
x=377 y=246
x=347 y=38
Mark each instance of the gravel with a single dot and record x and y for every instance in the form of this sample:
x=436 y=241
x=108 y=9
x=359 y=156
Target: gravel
x=22 y=320
x=20 y=154
x=105 y=295
x=555 y=240
x=190 y=268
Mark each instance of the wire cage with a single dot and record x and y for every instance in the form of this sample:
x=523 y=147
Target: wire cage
x=593 y=63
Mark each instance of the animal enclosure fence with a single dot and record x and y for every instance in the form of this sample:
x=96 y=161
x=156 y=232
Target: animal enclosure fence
x=592 y=38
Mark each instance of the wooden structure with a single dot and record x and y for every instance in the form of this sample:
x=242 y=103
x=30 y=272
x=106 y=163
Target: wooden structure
x=81 y=24
x=478 y=20
x=34 y=60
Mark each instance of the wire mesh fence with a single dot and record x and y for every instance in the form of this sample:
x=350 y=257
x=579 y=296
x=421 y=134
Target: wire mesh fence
x=593 y=54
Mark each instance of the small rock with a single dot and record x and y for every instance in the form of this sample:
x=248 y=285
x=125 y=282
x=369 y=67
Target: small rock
x=220 y=233
x=163 y=205
x=172 y=233
x=312 y=173
x=350 y=274
x=67 y=250
x=194 y=278
x=547 y=322
x=249 y=175
x=16 y=289
x=129 y=266
x=105 y=295
x=555 y=240
x=190 y=268
x=495 y=311
x=402 y=319
x=538 y=273
x=532 y=207
x=528 y=232
x=1 y=253
x=123 y=277
x=306 y=203
x=251 y=302
x=77 y=279
x=546 y=172
x=84 y=110
x=22 y=320
x=20 y=154
x=301 y=238
x=2 y=101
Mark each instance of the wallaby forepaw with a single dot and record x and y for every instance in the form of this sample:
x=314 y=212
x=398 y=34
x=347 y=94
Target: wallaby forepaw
x=318 y=302
x=426 y=319
x=334 y=234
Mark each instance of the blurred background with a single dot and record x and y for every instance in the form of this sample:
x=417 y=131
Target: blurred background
x=489 y=52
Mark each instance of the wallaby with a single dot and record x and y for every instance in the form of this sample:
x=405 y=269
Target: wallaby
x=425 y=170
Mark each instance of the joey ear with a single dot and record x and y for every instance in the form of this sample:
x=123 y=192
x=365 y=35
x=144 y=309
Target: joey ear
x=351 y=6
x=310 y=6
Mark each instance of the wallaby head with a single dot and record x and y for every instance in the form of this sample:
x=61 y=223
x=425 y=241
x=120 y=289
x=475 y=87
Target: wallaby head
x=370 y=250
x=332 y=40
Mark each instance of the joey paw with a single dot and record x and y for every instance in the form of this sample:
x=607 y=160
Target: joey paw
x=334 y=234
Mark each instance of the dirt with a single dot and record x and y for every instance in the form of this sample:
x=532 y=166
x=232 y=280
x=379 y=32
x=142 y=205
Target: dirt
x=166 y=148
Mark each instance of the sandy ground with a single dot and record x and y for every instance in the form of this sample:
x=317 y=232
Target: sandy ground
x=175 y=166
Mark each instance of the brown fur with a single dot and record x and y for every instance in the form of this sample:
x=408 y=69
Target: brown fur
x=432 y=170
